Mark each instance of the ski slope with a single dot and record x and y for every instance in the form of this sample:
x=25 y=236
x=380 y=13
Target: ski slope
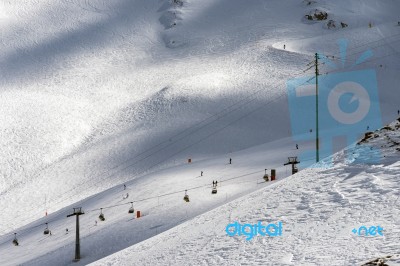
x=97 y=94
x=318 y=209
x=159 y=198
x=79 y=105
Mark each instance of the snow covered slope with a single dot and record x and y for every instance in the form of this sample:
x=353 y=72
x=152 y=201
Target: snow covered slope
x=159 y=198
x=99 y=93
x=318 y=209
x=88 y=88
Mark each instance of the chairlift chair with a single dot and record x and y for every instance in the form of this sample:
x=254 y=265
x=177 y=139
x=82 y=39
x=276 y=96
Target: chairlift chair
x=266 y=177
x=15 y=241
x=101 y=216
x=186 y=197
x=131 y=209
x=46 y=230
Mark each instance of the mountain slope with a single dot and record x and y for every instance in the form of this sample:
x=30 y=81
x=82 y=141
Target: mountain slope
x=96 y=94
x=318 y=209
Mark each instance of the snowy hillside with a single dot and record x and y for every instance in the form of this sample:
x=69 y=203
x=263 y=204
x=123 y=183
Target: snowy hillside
x=87 y=97
x=97 y=94
x=318 y=209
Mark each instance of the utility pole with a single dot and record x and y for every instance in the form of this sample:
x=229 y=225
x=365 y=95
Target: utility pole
x=316 y=104
x=77 y=212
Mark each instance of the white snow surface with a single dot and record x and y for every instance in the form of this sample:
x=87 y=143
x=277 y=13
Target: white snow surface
x=318 y=208
x=96 y=94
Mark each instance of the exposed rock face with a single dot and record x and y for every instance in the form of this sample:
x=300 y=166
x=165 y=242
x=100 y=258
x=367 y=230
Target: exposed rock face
x=317 y=15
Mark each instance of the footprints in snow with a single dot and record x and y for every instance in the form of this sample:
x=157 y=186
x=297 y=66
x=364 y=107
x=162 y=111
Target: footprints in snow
x=170 y=17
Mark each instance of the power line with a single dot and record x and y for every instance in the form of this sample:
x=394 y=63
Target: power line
x=170 y=144
x=212 y=122
x=246 y=101
x=193 y=128
x=349 y=55
x=209 y=135
x=252 y=44
x=217 y=114
x=30 y=229
x=336 y=56
x=367 y=61
x=368 y=44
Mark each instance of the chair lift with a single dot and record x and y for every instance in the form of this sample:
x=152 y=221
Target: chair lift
x=131 y=209
x=46 y=230
x=214 y=189
x=101 y=216
x=266 y=177
x=186 y=197
x=15 y=241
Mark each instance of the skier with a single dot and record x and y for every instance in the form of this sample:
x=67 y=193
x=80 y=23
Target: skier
x=367 y=127
x=216 y=183
x=66 y=231
x=284 y=46
x=230 y=160
x=95 y=223
x=297 y=147
x=124 y=186
x=201 y=173
x=213 y=183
